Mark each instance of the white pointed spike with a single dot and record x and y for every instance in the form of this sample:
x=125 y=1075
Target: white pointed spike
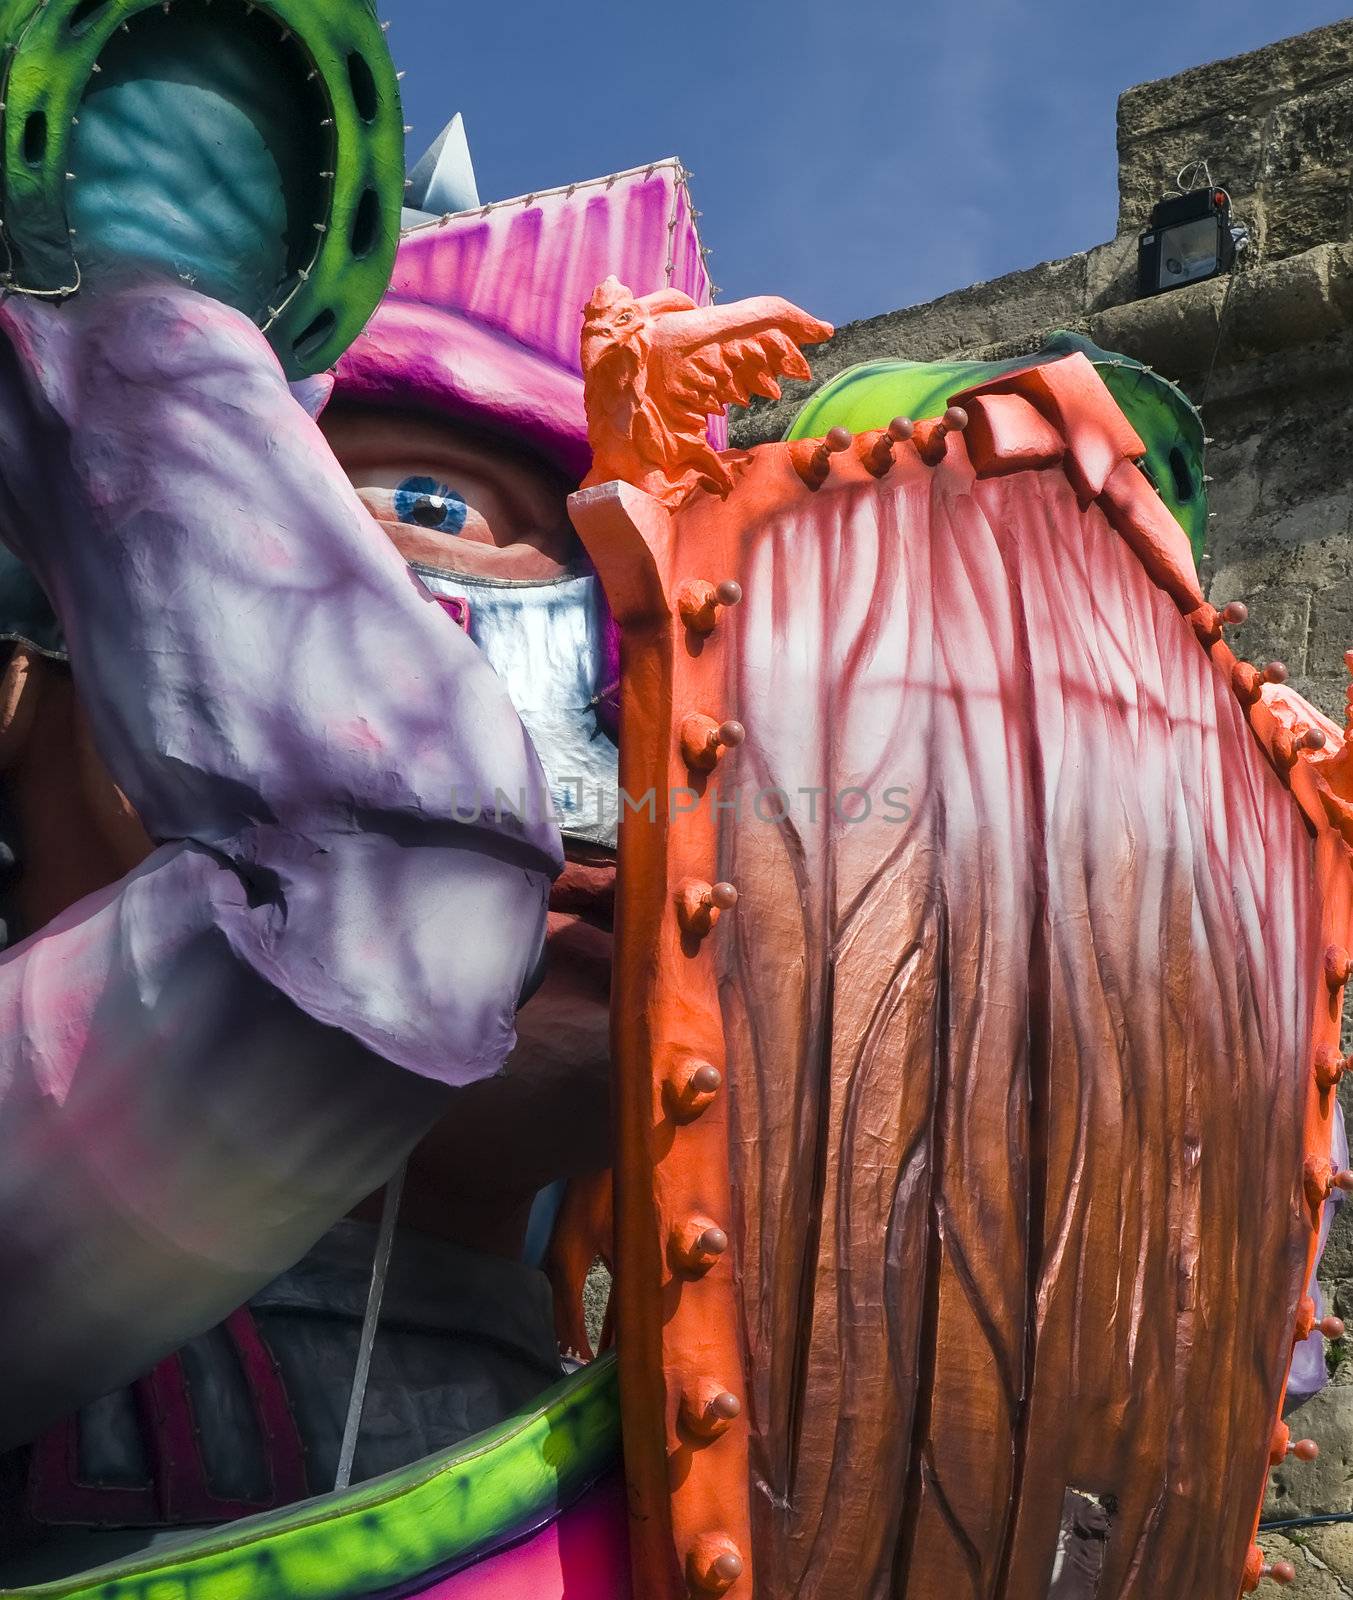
x=444 y=181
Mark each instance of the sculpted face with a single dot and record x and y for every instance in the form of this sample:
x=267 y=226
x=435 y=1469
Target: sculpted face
x=453 y=499
x=483 y=523
x=481 y=518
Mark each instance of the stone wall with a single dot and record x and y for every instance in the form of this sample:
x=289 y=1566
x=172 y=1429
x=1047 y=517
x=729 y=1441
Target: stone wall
x=1265 y=351
x=1268 y=354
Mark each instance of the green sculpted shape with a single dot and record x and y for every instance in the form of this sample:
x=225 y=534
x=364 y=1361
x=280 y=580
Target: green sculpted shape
x=254 y=151
x=384 y=1536
x=871 y=395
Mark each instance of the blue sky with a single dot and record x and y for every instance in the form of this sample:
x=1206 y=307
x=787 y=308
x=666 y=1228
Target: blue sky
x=855 y=157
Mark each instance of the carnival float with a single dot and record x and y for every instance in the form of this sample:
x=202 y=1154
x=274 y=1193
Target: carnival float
x=471 y=838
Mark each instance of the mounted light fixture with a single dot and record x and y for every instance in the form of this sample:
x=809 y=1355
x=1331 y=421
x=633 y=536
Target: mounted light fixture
x=1190 y=238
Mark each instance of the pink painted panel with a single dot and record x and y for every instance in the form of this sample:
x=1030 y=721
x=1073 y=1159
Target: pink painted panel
x=1017 y=1062
x=527 y=267
x=583 y=1555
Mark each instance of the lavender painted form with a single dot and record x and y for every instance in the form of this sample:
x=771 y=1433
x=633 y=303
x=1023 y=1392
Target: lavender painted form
x=198 y=1068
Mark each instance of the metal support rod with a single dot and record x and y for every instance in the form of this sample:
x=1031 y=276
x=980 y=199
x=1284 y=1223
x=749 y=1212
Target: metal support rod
x=380 y=1266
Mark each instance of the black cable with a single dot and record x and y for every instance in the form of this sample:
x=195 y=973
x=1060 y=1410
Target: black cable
x=1305 y=1522
x=1221 y=334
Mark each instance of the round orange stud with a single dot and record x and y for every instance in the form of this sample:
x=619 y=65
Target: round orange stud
x=1330 y=1327
x=714 y=1564
x=1315 y=1179
x=1311 y=739
x=703 y=740
x=1338 y=965
x=1329 y=1067
x=699 y=602
x=1275 y=672
x=933 y=438
x=700 y=904
x=1233 y=614
x=1320 y=1178
x=879 y=457
x=1247 y=683
x=1257 y=1568
x=1206 y=622
x=696 y=1244
x=1304 y=1449
x=709 y=1410
x=691 y=1088
x=818 y=466
x=698 y=605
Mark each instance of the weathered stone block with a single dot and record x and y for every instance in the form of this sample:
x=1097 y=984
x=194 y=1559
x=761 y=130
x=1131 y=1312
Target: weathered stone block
x=1277 y=628
x=1147 y=169
x=1243 y=399
x=1336 y=1267
x=1233 y=494
x=1308 y=454
x=1311 y=132
x=1175 y=332
x=1266 y=121
x=1333 y=1546
x=761 y=422
x=1322 y=520
x=1298 y=216
x=1253 y=79
x=1299 y=1488
x=1287 y=303
x=1316 y=1578
x=1111 y=272
x=1331 y=628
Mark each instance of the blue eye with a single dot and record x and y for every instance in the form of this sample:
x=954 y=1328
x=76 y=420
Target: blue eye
x=429 y=504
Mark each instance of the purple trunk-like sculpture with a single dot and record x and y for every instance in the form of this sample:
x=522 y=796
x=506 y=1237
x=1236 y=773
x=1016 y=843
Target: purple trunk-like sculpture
x=204 y=1067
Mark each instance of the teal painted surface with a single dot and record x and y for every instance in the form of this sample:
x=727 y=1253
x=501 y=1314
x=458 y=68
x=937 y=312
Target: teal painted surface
x=191 y=156
x=871 y=395
x=388 y=1534
x=279 y=130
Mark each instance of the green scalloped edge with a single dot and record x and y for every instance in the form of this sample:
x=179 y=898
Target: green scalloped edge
x=414 y=1523
x=871 y=394
x=47 y=64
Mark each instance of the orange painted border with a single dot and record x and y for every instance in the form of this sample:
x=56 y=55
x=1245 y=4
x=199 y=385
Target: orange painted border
x=678 y=1325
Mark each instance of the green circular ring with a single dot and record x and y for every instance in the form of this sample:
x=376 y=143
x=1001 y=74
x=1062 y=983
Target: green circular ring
x=51 y=49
